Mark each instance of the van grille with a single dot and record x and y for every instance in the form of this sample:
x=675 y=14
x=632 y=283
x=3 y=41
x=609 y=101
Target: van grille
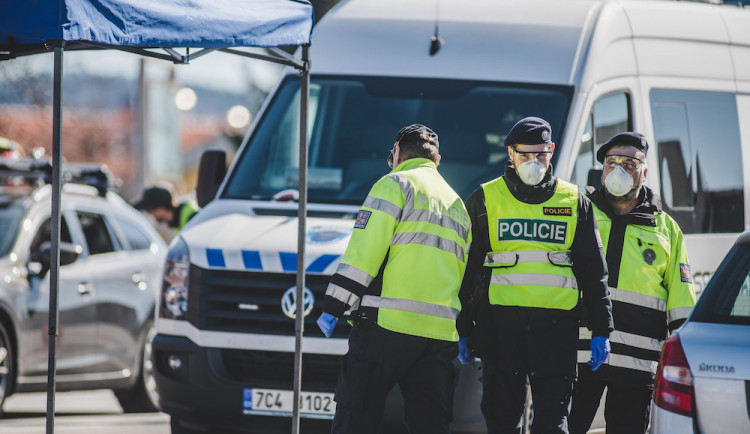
x=275 y=369
x=250 y=302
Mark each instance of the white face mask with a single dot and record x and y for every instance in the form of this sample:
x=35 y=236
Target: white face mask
x=618 y=182
x=532 y=172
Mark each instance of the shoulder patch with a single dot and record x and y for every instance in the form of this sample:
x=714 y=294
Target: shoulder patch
x=557 y=210
x=362 y=218
x=685 y=275
x=598 y=238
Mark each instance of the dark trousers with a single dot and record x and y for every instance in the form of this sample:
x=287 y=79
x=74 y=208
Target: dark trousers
x=626 y=410
x=379 y=359
x=504 y=396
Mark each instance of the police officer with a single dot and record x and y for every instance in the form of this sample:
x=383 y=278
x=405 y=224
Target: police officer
x=650 y=285
x=535 y=251
x=402 y=271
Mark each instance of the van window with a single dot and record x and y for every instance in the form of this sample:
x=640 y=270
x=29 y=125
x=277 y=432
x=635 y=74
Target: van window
x=610 y=116
x=353 y=123
x=700 y=162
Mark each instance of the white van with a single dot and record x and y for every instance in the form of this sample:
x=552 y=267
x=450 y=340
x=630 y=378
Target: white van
x=677 y=72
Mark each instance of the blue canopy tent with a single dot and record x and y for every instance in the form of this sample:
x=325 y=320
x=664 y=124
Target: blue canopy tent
x=165 y=29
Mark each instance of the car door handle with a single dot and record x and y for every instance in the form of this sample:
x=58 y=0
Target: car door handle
x=84 y=289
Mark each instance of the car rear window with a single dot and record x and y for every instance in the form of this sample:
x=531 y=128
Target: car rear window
x=726 y=299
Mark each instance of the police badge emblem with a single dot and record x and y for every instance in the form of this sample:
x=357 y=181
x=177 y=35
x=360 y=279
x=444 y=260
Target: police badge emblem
x=649 y=256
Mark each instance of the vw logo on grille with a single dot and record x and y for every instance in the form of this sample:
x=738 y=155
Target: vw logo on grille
x=289 y=302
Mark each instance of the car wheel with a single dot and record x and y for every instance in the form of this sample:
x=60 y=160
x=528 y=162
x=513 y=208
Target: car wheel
x=7 y=368
x=143 y=397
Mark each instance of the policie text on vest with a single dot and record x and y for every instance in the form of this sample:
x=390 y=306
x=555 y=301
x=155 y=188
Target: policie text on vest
x=545 y=231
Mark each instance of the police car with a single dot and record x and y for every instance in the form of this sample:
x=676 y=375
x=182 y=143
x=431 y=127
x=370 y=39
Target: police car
x=110 y=269
x=703 y=378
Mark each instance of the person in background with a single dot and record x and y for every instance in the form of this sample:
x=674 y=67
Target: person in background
x=401 y=273
x=650 y=285
x=536 y=255
x=183 y=212
x=156 y=204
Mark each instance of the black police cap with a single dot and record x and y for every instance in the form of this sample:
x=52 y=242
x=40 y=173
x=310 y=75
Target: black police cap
x=629 y=138
x=529 y=131
x=417 y=133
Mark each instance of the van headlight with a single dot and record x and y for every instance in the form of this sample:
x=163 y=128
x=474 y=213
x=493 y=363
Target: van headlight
x=174 y=288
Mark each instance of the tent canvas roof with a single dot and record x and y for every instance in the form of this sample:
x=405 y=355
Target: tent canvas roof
x=27 y=25
x=35 y=26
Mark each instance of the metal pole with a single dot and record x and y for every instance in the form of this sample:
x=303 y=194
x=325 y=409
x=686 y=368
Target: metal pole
x=54 y=277
x=299 y=323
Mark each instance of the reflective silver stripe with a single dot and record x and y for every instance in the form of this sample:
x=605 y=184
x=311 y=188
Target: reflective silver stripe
x=509 y=258
x=630 y=339
x=631 y=297
x=620 y=361
x=521 y=279
x=629 y=362
x=411 y=306
x=383 y=205
x=678 y=313
x=584 y=356
x=429 y=240
x=407 y=189
x=341 y=294
x=423 y=215
x=354 y=274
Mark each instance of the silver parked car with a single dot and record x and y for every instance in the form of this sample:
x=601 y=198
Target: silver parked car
x=703 y=380
x=111 y=263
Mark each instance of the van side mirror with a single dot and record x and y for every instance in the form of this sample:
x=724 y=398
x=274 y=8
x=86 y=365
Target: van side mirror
x=211 y=172
x=595 y=178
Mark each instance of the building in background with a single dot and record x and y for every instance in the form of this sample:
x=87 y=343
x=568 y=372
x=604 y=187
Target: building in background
x=104 y=120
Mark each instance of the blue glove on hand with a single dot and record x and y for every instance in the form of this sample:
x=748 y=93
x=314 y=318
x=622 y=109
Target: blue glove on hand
x=599 y=351
x=327 y=322
x=464 y=353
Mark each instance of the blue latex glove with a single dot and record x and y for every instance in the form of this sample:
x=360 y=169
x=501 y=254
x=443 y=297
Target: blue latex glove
x=464 y=353
x=599 y=351
x=327 y=322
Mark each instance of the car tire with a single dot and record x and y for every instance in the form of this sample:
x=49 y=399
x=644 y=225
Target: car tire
x=7 y=365
x=143 y=397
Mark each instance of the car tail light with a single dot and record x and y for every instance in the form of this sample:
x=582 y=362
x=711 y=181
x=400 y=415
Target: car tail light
x=674 y=382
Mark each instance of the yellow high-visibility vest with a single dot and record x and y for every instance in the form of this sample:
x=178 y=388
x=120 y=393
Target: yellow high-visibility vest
x=530 y=258
x=415 y=218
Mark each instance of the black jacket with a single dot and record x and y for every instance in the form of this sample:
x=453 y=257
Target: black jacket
x=632 y=319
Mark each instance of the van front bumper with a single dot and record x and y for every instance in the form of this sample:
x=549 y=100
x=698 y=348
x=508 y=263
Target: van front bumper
x=200 y=386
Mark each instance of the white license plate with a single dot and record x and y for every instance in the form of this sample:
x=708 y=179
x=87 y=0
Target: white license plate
x=281 y=402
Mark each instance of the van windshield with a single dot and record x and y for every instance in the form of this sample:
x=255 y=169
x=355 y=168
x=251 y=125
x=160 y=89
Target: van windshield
x=352 y=125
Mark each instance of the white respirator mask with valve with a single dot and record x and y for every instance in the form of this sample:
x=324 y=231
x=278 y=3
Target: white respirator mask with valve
x=619 y=182
x=531 y=172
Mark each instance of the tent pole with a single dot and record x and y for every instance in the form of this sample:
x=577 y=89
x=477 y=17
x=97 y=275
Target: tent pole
x=299 y=323
x=54 y=277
